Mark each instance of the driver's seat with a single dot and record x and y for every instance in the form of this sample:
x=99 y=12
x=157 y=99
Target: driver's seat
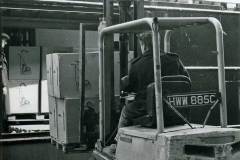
x=170 y=84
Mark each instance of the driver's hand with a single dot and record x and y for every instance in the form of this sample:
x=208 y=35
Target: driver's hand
x=124 y=82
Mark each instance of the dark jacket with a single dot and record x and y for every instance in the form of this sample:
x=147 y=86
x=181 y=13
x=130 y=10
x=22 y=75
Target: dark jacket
x=142 y=72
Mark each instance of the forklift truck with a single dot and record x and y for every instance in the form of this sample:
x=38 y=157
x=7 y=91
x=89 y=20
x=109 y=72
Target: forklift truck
x=182 y=142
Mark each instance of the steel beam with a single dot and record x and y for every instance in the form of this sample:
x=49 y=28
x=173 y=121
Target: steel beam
x=108 y=67
x=41 y=23
x=124 y=12
x=138 y=13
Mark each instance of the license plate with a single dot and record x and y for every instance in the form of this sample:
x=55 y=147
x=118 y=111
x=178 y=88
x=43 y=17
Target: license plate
x=189 y=100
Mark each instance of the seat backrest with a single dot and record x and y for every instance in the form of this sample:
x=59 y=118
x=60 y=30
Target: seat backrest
x=170 y=84
x=176 y=84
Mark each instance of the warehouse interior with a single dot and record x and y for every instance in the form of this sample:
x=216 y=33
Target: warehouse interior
x=64 y=65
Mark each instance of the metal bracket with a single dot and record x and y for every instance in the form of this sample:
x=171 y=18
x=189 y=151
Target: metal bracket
x=155 y=26
x=102 y=25
x=209 y=112
x=98 y=145
x=178 y=113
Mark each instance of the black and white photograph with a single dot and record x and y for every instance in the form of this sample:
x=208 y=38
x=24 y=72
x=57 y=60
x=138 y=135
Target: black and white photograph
x=120 y=80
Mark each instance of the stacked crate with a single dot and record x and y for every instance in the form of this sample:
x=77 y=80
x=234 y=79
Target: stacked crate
x=64 y=99
x=44 y=88
x=24 y=75
x=63 y=92
x=27 y=79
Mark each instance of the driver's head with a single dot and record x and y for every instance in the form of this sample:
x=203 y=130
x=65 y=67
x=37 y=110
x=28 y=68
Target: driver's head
x=145 y=40
x=4 y=39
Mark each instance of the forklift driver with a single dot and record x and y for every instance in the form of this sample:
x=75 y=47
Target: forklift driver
x=3 y=81
x=141 y=74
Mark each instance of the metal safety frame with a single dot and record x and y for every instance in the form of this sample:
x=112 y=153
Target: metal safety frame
x=155 y=25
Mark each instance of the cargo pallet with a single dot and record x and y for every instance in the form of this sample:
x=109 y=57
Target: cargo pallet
x=25 y=123
x=70 y=147
x=29 y=118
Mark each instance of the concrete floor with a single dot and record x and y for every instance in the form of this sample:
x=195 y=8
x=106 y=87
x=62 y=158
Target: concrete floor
x=43 y=150
x=38 y=150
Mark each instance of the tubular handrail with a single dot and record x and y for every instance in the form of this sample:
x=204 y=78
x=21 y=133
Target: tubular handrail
x=167 y=37
x=221 y=71
x=156 y=24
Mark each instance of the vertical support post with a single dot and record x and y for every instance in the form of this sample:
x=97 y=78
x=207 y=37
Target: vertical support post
x=40 y=83
x=222 y=85
x=124 y=37
x=108 y=70
x=138 y=9
x=1 y=85
x=221 y=71
x=81 y=75
x=3 y=116
x=157 y=76
x=138 y=13
x=123 y=40
x=101 y=93
x=1 y=25
x=167 y=43
x=221 y=75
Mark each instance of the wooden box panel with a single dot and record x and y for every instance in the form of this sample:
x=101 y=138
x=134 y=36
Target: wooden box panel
x=68 y=121
x=53 y=117
x=65 y=75
x=24 y=63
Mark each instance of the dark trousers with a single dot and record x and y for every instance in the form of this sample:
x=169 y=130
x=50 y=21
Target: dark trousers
x=130 y=112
